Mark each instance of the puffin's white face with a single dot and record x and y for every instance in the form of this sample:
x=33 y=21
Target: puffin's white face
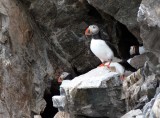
x=62 y=77
x=91 y=30
x=64 y=74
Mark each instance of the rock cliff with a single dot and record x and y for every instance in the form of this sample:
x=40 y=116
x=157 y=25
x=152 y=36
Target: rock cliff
x=39 y=39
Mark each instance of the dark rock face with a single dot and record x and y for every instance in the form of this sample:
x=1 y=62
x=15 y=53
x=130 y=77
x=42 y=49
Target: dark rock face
x=125 y=11
x=63 y=27
x=39 y=39
x=139 y=61
x=24 y=63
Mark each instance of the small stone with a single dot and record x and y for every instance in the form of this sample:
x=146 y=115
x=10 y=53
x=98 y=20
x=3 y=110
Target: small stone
x=62 y=115
x=132 y=114
x=138 y=61
x=37 y=116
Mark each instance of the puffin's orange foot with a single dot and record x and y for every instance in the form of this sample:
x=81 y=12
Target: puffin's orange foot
x=122 y=77
x=108 y=66
x=101 y=65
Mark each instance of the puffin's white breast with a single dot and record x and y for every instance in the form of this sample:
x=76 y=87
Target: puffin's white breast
x=119 y=68
x=101 y=50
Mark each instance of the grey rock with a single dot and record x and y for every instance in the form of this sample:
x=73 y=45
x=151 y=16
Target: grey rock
x=149 y=86
x=63 y=25
x=81 y=92
x=138 y=61
x=137 y=90
x=62 y=115
x=147 y=107
x=151 y=109
x=42 y=38
x=24 y=64
x=119 y=10
x=148 y=17
x=37 y=116
x=155 y=108
x=133 y=114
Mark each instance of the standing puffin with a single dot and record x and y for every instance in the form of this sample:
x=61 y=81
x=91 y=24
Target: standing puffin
x=98 y=46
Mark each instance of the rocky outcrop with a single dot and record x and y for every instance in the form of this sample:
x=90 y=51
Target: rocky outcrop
x=62 y=115
x=133 y=114
x=63 y=25
x=138 y=90
x=148 y=16
x=138 y=61
x=151 y=109
x=125 y=11
x=24 y=63
x=94 y=94
x=40 y=39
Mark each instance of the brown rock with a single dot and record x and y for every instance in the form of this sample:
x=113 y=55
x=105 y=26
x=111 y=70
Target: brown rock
x=61 y=114
x=23 y=64
x=138 y=61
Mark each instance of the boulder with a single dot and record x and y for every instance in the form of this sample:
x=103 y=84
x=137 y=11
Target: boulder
x=80 y=94
x=138 y=90
x=61 y=114
x=37 y=116
x=151 y=109
x=133 y=114
x=138 y=61
x=148 y=18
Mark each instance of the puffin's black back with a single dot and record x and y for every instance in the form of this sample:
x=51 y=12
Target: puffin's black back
x=127 y=66
x=68 y=77
x=113 y=49
x=110 y=45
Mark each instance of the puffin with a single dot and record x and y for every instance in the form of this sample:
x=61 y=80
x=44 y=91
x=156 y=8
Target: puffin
x=99 y=47
x=121 y=67
x=115 y=66
x=65 y=76
x=105 y=52
x=137 y=50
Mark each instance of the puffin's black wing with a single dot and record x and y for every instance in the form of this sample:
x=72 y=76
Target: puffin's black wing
x=107 y=40
x=68 y=77
x=127 y=66
x=113 y=49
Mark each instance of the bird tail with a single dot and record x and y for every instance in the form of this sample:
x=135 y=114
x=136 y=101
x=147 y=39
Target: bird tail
x=126 y=64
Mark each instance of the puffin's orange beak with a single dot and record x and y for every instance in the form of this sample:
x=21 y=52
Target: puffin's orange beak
x=60 y=80
x=87 y=32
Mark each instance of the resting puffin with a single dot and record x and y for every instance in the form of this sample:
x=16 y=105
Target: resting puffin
x=121 y=67
x=117 y=67
x=98 y=46
x=137 y=50
x=65 y=76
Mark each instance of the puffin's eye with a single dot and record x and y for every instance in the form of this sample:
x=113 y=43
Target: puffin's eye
x=93 y=27
x=89 y=31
